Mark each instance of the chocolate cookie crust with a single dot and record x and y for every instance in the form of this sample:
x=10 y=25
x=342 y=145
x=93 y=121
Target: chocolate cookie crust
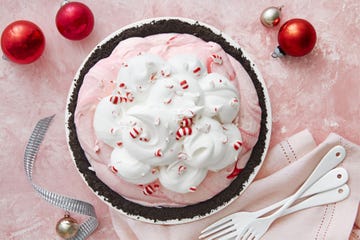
x=162 y=214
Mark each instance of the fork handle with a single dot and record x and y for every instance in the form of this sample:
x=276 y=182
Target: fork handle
x=328 y=162
x=333 y=179
x=331 y=196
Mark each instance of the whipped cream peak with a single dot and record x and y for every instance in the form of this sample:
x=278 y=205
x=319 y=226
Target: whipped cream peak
x=221 y=97
x=188 y=64
x=181 y=177
x=169 y=121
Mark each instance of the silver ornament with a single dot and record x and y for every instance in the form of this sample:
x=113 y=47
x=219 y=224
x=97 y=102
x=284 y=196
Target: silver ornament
x=270 y=17
x=67 y=227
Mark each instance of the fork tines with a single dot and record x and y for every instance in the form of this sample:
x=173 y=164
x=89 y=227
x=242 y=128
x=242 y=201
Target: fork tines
x=220 y=228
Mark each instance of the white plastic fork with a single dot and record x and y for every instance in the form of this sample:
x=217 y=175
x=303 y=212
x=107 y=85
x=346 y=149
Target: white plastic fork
x=234 y=223
x=259 y=226
x=238 y=226
x=330 y=196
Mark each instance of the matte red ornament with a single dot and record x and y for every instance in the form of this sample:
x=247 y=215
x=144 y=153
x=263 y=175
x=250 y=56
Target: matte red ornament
x=22 y=42
x=74 y=20
x=296 y=37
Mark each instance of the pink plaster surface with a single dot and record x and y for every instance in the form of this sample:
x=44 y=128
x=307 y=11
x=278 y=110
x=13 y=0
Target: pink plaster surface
x=320 y=91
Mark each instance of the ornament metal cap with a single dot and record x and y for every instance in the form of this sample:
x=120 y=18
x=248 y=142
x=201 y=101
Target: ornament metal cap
x=64 y=2
x=278 y=52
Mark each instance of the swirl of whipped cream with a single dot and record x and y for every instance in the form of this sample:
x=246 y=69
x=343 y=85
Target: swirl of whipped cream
x=188 y=64
x=107 y=121
x=161 y=124
x=154 y=145
x=182 y=177
x=130 y=169
x=138 y=73
x=220 y=96
x=210 y=144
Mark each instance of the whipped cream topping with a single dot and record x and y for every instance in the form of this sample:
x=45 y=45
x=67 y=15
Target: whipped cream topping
x=169 y=120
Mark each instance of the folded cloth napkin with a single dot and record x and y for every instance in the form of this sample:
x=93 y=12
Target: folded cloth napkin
x=285 y=168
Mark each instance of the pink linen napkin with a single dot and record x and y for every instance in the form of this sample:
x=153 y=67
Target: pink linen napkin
x=286 y=167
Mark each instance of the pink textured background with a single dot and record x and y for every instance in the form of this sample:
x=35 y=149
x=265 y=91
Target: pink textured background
x=320 y=91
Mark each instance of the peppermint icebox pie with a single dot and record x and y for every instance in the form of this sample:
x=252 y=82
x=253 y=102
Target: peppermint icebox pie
x=168 y=121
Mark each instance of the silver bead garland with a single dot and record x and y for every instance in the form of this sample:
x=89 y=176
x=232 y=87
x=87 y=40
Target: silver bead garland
x=66 y=203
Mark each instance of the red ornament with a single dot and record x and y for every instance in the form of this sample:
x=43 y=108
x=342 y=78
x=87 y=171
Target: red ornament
x=74 y=20
x=297 y=37
x=22 y=42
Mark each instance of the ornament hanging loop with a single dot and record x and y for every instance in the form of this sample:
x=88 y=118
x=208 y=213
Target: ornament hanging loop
x=274 y=55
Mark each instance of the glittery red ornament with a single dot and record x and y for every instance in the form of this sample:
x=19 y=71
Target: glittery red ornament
x=296 y=37
x=22 y=42
x=74 y=20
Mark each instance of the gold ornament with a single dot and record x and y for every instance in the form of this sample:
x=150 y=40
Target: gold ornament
x=67 y=227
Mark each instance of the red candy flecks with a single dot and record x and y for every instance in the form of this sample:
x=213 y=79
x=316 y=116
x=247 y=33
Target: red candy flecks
x=150 y=189
x=184 y=84
x=214 y=58
x=237 y=145
x=186 y=122
x=192 y=189
x=113 y=169
x=197 y=70
x=183 y=131
x=181 y=170
x=236 y=171
x=135 y=132
x=158 y=153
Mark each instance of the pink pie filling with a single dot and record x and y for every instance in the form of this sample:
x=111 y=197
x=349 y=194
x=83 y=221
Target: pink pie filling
x=99 y=83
